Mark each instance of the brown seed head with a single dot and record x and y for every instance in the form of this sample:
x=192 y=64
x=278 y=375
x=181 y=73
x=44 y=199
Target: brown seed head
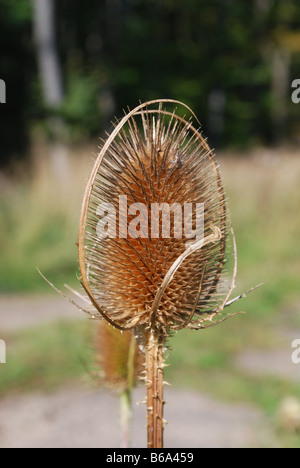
x=119 y=357
x=153 y=156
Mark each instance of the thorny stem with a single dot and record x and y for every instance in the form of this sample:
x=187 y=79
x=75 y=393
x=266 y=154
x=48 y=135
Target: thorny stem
x=154 y=382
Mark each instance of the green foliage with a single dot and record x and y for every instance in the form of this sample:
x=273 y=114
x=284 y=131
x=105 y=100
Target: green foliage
x=81 y=107
x=46 y=356
x=16 y=13
x=39 y=228
x=144 y=50
x=16 y=70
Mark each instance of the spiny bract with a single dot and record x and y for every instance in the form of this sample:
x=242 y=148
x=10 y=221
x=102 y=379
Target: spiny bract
x=154 y=156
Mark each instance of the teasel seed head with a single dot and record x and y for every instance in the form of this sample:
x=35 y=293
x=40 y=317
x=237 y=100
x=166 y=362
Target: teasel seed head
x=155 y=156
x=118 y=356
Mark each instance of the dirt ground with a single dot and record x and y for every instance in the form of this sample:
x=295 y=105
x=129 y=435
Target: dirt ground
x=19 y=312
x=81 y=417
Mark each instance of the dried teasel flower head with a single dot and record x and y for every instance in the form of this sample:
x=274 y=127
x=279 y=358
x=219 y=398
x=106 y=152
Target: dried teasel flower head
x=154 y=226
x=119 y=357
x=154 y=236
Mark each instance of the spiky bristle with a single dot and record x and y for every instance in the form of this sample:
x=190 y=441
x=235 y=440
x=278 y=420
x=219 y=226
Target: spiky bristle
x=153 y=156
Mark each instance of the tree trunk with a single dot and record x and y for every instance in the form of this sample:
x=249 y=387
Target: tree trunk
x=48 y=60
x=262 y=7
x=52 y=82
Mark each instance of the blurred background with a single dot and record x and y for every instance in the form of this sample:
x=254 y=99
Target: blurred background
x=70 y=67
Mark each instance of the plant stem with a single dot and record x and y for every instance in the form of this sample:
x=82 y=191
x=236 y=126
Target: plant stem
x=125 y=396
x=154 y=376
x=126 y=416
x=131 y=363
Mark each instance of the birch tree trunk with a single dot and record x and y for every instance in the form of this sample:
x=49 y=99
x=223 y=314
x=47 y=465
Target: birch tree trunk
x=52 y=83
x=48 y=60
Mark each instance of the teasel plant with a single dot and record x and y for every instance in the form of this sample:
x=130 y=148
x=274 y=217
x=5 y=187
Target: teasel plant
x=119 y=361
x=121 y=366
x=137 y=267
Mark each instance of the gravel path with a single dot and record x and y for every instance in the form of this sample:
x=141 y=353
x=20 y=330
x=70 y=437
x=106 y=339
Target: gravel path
x=77 y=418
x=19 y=312
x=276 y=363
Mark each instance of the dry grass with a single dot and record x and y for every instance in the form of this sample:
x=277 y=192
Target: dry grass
x=39 y=226
x=265 y=198
x=39 y=217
